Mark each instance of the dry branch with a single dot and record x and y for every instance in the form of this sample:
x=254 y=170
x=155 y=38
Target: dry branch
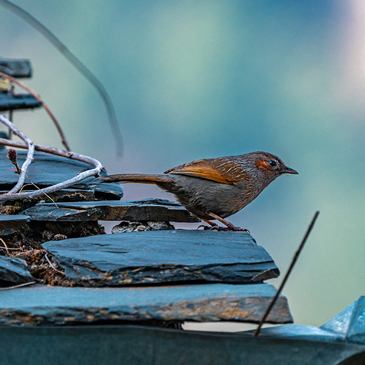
x=55 y=151
x=30 y=154
x=295 y=258
x=45 y=106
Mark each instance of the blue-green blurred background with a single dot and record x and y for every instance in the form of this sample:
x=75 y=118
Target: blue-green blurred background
x=196 y=79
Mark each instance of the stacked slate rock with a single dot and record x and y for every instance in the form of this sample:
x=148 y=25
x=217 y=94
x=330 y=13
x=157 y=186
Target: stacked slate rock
x=149 y=273
x=145 y=276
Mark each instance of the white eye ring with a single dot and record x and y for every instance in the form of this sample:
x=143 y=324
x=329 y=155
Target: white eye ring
x=272 y=163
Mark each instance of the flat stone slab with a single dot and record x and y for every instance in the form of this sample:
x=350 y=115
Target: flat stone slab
x=48 y=305
x=49 y=170
x=16 y=67
x=10 y=223
x=111 y=210
x=13 y=271
x=18 y=101
x=136 y=345
x=163 y=256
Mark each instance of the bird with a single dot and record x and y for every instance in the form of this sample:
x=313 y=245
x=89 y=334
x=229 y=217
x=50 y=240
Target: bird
x=215 y=188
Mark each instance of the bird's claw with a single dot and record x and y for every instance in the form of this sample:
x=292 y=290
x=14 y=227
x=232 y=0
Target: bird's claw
x=204 y=227
x=239 y=229
x=220 y=228
x=207 y=228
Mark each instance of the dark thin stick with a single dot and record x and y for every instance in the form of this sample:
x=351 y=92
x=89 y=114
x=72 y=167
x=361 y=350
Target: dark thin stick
x=78 y=65
x=18 y=286
x=11 y=119
x=295 y=258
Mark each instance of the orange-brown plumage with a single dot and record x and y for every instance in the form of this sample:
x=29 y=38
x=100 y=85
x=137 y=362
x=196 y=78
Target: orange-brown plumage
x=216 y=187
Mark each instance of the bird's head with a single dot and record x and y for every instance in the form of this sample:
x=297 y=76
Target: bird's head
x=267 y=167
x=271 y=164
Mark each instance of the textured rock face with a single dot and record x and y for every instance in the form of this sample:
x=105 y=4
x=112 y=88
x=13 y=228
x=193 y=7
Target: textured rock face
x=157 y=257
x=13 y=271
x=41 y=305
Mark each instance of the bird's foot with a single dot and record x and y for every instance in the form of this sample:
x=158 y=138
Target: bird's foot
x=213 y=228
x=205 y=228
x=229 y=226
x=211 y=223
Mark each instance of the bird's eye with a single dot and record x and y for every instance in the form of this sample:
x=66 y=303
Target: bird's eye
x=272 y=163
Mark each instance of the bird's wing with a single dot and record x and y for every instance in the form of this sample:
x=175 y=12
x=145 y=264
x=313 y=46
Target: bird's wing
x=223 y=170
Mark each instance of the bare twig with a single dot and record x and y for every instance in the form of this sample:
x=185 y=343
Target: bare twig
x=78 y=65
x=11 y=249
x=19 y=286
x=12 y=156
x=30 y=154
x=5 y=245
x=295 y=258
x=52 y=266
x=45 y=106
x=55 y=151
x=38 y=188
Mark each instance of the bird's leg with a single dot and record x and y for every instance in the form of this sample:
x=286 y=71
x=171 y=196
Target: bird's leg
x=230 y=226
x=211 y=223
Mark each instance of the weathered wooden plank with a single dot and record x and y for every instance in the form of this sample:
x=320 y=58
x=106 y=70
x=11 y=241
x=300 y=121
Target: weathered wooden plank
x=163 y=256
x=46 y=305
x=13 y=271
x=136 y=345
x=48 y=170
x=148 y=210
x=10 y=223
x=18 y=101
x=16 y=67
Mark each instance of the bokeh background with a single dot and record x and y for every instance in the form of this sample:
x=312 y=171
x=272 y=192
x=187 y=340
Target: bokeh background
x=196 y=79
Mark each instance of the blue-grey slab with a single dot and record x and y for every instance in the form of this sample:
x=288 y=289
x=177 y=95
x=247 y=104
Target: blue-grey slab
x=16 y=67
x=10 y=223
x=13 y=271
x=350 y=323
x=114 y=210
x=136 y=345
x=163 y=256
x=19 y=101
x=49 y=305
x=348 y=326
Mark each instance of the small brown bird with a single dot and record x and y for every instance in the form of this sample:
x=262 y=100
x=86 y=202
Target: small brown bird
x=215 y=188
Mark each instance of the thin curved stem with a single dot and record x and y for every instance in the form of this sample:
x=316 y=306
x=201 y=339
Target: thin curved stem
x=28 y=160
x=78 y=65
x=10 y=196
x=45 y=106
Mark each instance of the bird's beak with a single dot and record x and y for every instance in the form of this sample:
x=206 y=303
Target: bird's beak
x=288 y=170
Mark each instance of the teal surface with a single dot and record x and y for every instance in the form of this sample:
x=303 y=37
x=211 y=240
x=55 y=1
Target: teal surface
x=151 y=346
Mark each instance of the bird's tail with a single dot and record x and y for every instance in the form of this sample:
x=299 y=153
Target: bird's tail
x=136 y=178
